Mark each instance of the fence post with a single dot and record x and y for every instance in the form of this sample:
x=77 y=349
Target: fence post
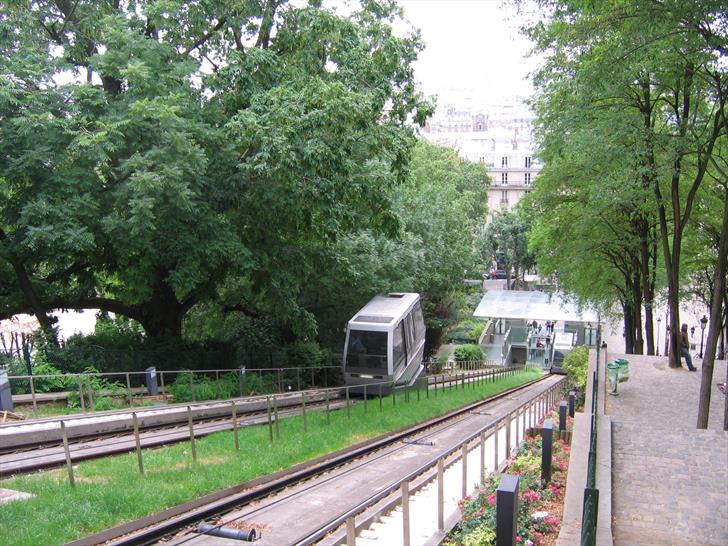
x=298 y=379
x=547 y=435
x=405 y=514
x=482 y=457
x=365 y=398
x=275 y=417
x=495 y=445
x=303 y=410
x=440 y=495
x=270 y=419
x=192 y=387
x=90 y=393
x=69 y=464
x=32 y=393
x=328 y=417
x=137 y=442
x=508 y=436
x=506 y=511
x=518 y=427
x=192 y=434
x=80 y=393
x=128 y=388
x=350 y=531
x=348 y=410
x=235 y=425
x=464 y=457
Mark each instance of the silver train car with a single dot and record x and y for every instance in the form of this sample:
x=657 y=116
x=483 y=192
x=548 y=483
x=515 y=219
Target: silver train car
x=385 y=343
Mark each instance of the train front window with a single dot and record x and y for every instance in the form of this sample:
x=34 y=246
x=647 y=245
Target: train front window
x=367 y=350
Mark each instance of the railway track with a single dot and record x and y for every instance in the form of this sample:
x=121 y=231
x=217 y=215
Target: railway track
x=304 y=504
x=40 y=456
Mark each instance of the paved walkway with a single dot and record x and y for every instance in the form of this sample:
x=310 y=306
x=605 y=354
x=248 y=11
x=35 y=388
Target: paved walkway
x=669 y=480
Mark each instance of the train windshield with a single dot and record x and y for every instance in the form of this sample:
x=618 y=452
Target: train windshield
x=367 y=350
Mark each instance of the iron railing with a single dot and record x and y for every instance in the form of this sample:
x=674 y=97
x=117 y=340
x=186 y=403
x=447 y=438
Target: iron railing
x=590 y=506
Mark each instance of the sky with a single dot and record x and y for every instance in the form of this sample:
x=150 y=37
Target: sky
x=473 y=47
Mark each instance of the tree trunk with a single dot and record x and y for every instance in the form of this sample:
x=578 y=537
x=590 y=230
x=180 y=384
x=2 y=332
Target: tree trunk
x=638 y=347
x=716 y=312
x=628 y=328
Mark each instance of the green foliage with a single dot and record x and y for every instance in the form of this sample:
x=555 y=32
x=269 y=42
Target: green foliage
x=576 y=365
x=157 y=156
x=505 y=240
x=468 y=330
x=106 y=393
x=207 y=387
x=468 y=353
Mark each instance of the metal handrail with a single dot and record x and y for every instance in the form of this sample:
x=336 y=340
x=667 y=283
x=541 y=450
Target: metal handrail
x=591 y=492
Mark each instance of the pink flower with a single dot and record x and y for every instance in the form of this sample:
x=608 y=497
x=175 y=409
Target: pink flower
x=518 y=538
x=554 y=489
x=553 y=521
x=491 y=499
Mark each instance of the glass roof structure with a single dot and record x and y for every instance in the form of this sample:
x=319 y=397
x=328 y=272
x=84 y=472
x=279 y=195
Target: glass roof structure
x=531 y=305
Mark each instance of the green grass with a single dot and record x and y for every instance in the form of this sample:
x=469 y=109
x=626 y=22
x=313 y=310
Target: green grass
x=111 y=491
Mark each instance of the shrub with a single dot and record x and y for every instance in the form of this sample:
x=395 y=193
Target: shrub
x=206 y=387
x=576 y=365
x=106 y=394
x=468 y=353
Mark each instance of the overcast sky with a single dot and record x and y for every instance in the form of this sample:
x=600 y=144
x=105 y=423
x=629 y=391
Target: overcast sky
x=473 y=47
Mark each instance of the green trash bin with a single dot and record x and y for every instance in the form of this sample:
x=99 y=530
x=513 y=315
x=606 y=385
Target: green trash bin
x=623 y=369
x=613 y=376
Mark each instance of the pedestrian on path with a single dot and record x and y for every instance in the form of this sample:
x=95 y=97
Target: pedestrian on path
x=685 y=347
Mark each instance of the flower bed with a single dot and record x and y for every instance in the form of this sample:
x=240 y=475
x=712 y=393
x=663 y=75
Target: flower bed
x=539 y=508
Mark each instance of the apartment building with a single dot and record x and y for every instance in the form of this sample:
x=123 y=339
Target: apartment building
x=501 y=137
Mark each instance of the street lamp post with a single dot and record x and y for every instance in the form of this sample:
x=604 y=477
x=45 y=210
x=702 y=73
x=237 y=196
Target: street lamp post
x=659 y=320
x=703 y=324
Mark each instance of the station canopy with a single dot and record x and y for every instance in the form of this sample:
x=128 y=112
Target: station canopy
x=531 y=305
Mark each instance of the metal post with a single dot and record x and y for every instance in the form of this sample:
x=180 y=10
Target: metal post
x=563 y=408
x=405 y=514
x=69 y=464
x=32 y=394
x=90 y=393
x=192 y=388
x=547 y=442
x=192 y=434
x=508 y=436
x=80 y=393
x=518 y=427
x=270 y=419
x=303 y=410
x=348 y=410
x=235 y=426
x=275 y=418
x=506 y=511
x=495 y=445
x=464 y=457
x=482 y=457
x=137 y=442
x=328 y=417
x=298 y=379
x=161 y=380
x=365 y=398
x=381 y=402
x=440 y=495
x=128 y=388
x=350 y=531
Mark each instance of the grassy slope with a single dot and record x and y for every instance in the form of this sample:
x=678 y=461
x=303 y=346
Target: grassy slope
x=111 y=491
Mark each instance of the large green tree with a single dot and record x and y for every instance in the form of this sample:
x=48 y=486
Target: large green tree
x=157 y=155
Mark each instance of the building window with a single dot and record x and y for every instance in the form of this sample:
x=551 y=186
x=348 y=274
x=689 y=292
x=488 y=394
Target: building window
x=528 y=162
x=528 y=179
x=504 y=162
x=504 y=196
x=504 y=179
x=482 y=159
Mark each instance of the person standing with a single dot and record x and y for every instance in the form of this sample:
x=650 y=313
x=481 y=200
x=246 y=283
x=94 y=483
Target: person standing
x=685 y=347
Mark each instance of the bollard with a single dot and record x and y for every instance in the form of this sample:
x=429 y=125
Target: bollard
x=6 y=395
x=506 y=510
x=572 y=401
x=151 y=376
x=138 y=443
x=563 y=408
x=547 y=442
x=192 y=434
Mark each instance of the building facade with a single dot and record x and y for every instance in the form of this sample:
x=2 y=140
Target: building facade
x=501 y=137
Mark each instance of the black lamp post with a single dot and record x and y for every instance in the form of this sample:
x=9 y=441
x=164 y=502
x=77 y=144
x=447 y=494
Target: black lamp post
x=659 y=320
x=703 y=324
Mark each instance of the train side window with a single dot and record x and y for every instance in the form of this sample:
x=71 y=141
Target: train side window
x=398 y=345
x=419 y=321
x=410 y=334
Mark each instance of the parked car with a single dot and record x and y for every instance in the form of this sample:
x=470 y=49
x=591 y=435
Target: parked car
x=497 y=274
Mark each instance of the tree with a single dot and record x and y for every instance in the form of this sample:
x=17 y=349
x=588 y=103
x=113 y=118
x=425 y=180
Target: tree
x=660 y=64
x=505 y=240
x=157 y=156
